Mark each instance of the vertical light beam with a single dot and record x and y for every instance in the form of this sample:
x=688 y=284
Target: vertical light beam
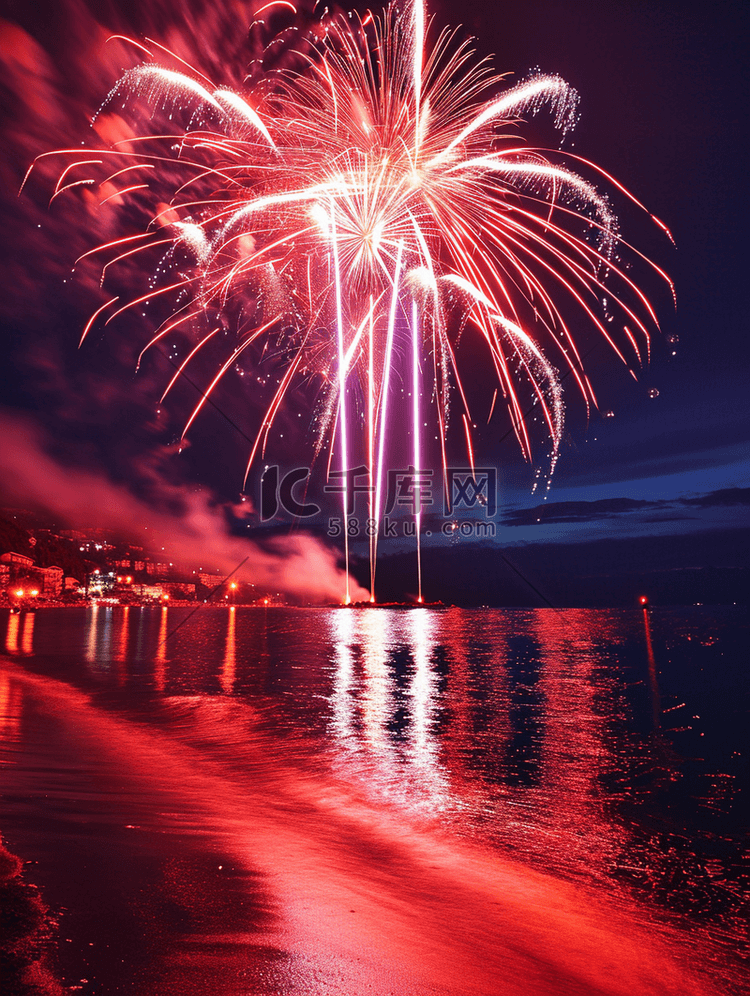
x=342 y=396
x=415 y=335
x=371 y=444
x=383 y=420
x=417 y=71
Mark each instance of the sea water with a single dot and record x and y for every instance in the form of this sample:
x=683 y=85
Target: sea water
x=222 y=800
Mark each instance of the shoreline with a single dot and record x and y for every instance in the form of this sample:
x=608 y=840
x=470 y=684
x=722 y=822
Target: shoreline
x=263 y=829
x=28 y=936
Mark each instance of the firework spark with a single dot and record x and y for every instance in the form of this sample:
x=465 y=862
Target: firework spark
x=376 y=189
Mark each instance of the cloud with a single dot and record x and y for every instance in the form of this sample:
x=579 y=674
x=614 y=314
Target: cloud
x=724 y=498
x=577 y=511
x=669 y=510
x=195 y=535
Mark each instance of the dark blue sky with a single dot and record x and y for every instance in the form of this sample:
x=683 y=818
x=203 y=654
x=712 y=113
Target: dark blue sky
x=661 y=91
x=661 y=88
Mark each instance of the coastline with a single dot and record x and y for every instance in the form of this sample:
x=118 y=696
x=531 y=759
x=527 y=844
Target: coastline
x=28 y=932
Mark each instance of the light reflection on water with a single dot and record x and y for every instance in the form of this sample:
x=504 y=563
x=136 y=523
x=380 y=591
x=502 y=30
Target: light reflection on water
x=19 y=637
x=563 y=738
x=496 y=721
x=384 y=730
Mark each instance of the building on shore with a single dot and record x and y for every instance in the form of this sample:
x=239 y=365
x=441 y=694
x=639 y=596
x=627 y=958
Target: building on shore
x=17 y=561
x=52 y=581
x=18 y=570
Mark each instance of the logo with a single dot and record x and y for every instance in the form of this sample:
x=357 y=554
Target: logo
x=407 y=489
x=468 y=488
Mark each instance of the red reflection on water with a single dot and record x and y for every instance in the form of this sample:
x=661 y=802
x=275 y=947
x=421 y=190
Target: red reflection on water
x=160 y=653
x=27 y=636
x=19 y=634
x=11 y=633
x=575 y=752
x=652 y=678
x=229 y=667
x=363 y=900
x=92 y=643
x=121 y=654
x=10 y=712
x=371 y=887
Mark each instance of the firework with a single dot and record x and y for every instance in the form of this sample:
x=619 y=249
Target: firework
x=372 y=191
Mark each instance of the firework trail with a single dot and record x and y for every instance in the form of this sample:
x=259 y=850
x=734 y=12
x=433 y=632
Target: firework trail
x=373 y=192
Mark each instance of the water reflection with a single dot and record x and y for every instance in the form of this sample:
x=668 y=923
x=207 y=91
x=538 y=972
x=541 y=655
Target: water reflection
x=652 y=679
x=160 y=654
x=10 y=713
x=424 y=743
x=229 y=667
x=505 y=716
x=11 y=635
x=385 y=703
x=93 y=649
x=19 y=635
x=121 y=652
x=375 y=695
x=27 y=634
x=574 y=749
x=343 y=701
x=540 y=731
x=434 y=709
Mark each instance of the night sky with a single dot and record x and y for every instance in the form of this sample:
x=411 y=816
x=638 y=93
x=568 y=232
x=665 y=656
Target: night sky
x=655 y=494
